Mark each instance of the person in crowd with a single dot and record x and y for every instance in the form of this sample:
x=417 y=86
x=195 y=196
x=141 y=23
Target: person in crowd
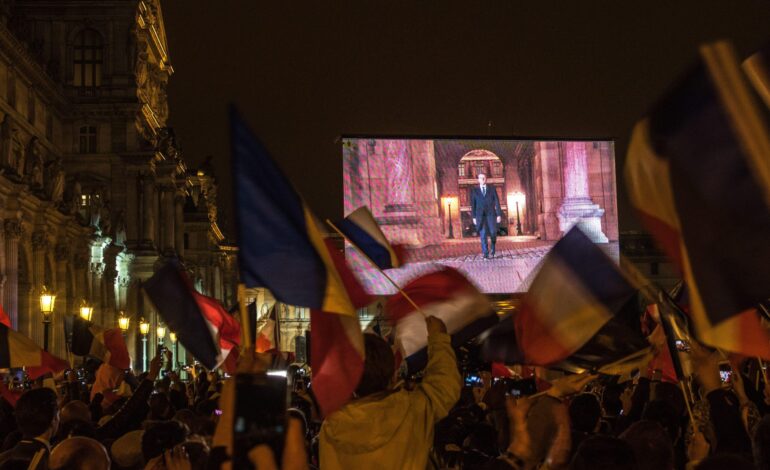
x=386 y=427
x=81 y=453
x=37 y=417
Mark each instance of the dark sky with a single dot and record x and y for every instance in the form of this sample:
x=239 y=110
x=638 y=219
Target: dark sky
x=304 y=72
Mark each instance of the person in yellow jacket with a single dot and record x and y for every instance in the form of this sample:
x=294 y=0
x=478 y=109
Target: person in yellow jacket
x=385 y=428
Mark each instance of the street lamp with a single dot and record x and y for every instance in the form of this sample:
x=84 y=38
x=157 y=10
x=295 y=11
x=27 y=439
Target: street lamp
x=448 y=201
x=47 y=301
x=86 y=311
x=172 y=338
x=518 y=199
x=144 y=328
x=123 y=323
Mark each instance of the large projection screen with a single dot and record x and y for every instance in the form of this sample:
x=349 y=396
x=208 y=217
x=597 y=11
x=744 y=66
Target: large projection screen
x=423 y=192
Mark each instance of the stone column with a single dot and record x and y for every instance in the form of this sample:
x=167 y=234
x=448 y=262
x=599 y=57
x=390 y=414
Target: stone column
x=61 y=255
x=132 y=210
x=11 y=288
x=2 y=267
x=148 y=212
x=39 y=251
x=168 y=218
x=179 y=201
x=577 y=206
x=399 y=162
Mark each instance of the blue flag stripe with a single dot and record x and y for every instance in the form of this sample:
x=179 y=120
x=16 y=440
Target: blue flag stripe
x=720 y=204
x=171 y=296
x=374 y=250
x=274 y=248
x=595 y=270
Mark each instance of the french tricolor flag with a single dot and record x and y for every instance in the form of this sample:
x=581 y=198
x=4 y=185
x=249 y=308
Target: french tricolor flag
x=444 y=294
x=362 y=230
x=202 y=325
x=568 y=316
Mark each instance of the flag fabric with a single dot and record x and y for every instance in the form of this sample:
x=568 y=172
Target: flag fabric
x=268 y=337
x=280 y=244
x=107 y=345
x=568 y=317
x=16 y=350
x=757 y=69
x=445 y=294
x=4 y=318
x=10 y=396
x=201 y=324
x=360 y=229
x=107 y=379
x=337 y=344
x=698 y=172
x=281 y=247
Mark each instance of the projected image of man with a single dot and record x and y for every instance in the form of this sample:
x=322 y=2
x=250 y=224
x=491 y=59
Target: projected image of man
x=486 y=212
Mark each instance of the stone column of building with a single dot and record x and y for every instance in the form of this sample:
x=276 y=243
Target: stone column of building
x=179 y=200
x=12 y=230
x=133 y=183
x=148 y=211
x=109 y=282
x=80 y=265
x=96 y=274
x=168 y=218
x=58 y=340
x=548 y=184
x=399 y=190
x=577 y=205
x=39 y=252
x=2 y=267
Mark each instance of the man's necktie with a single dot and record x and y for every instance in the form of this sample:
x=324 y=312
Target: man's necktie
x=483 y=190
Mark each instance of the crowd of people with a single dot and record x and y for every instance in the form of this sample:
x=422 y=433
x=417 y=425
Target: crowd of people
x=437 y=419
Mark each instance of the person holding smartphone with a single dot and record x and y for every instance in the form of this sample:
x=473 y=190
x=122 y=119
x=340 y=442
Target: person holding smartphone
x=392 y=428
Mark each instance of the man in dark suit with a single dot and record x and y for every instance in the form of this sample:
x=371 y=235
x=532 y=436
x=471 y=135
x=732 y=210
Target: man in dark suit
x=486 y=213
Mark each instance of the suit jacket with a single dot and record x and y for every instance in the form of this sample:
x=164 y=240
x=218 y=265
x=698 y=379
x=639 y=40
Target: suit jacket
x=485 y=205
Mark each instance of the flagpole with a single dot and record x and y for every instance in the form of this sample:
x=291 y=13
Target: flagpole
x=245 y=323
x=409 y=299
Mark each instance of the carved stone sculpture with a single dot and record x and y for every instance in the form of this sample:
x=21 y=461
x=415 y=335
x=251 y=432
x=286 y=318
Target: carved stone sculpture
x=56 y=179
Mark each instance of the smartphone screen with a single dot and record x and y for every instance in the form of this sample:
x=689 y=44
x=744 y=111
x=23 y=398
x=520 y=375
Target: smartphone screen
x=522 y=387
x=473 y=381
x=260 y=415
x=725 y=373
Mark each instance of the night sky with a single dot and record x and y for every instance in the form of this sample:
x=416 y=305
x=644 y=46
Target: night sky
x=304 y=73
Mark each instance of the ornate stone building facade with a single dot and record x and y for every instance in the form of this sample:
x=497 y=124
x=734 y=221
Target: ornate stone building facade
x=93 y=188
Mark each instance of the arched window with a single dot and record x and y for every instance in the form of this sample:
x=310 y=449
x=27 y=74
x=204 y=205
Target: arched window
x=87 y=60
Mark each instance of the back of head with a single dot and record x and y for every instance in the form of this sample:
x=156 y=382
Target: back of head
x=761 y=444
x=725 y=461
x=651 y=444
x=160 y=406
x=127 y=450
x=584 y=413
x=161 y=436
x=603 y=452
x=36 y=410
x=74 y=410
x=611 y=403
x=665 y=414
x=379 y=367
x=79 y=453
x=672 y=395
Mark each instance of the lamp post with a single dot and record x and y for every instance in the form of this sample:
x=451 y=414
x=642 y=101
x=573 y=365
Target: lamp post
x=518 y=198
x=161 y=332
x=144 y=328
x=123 y=323
x=47 y=300
x=172 y=338
x=451 y=230
x=86 y=311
